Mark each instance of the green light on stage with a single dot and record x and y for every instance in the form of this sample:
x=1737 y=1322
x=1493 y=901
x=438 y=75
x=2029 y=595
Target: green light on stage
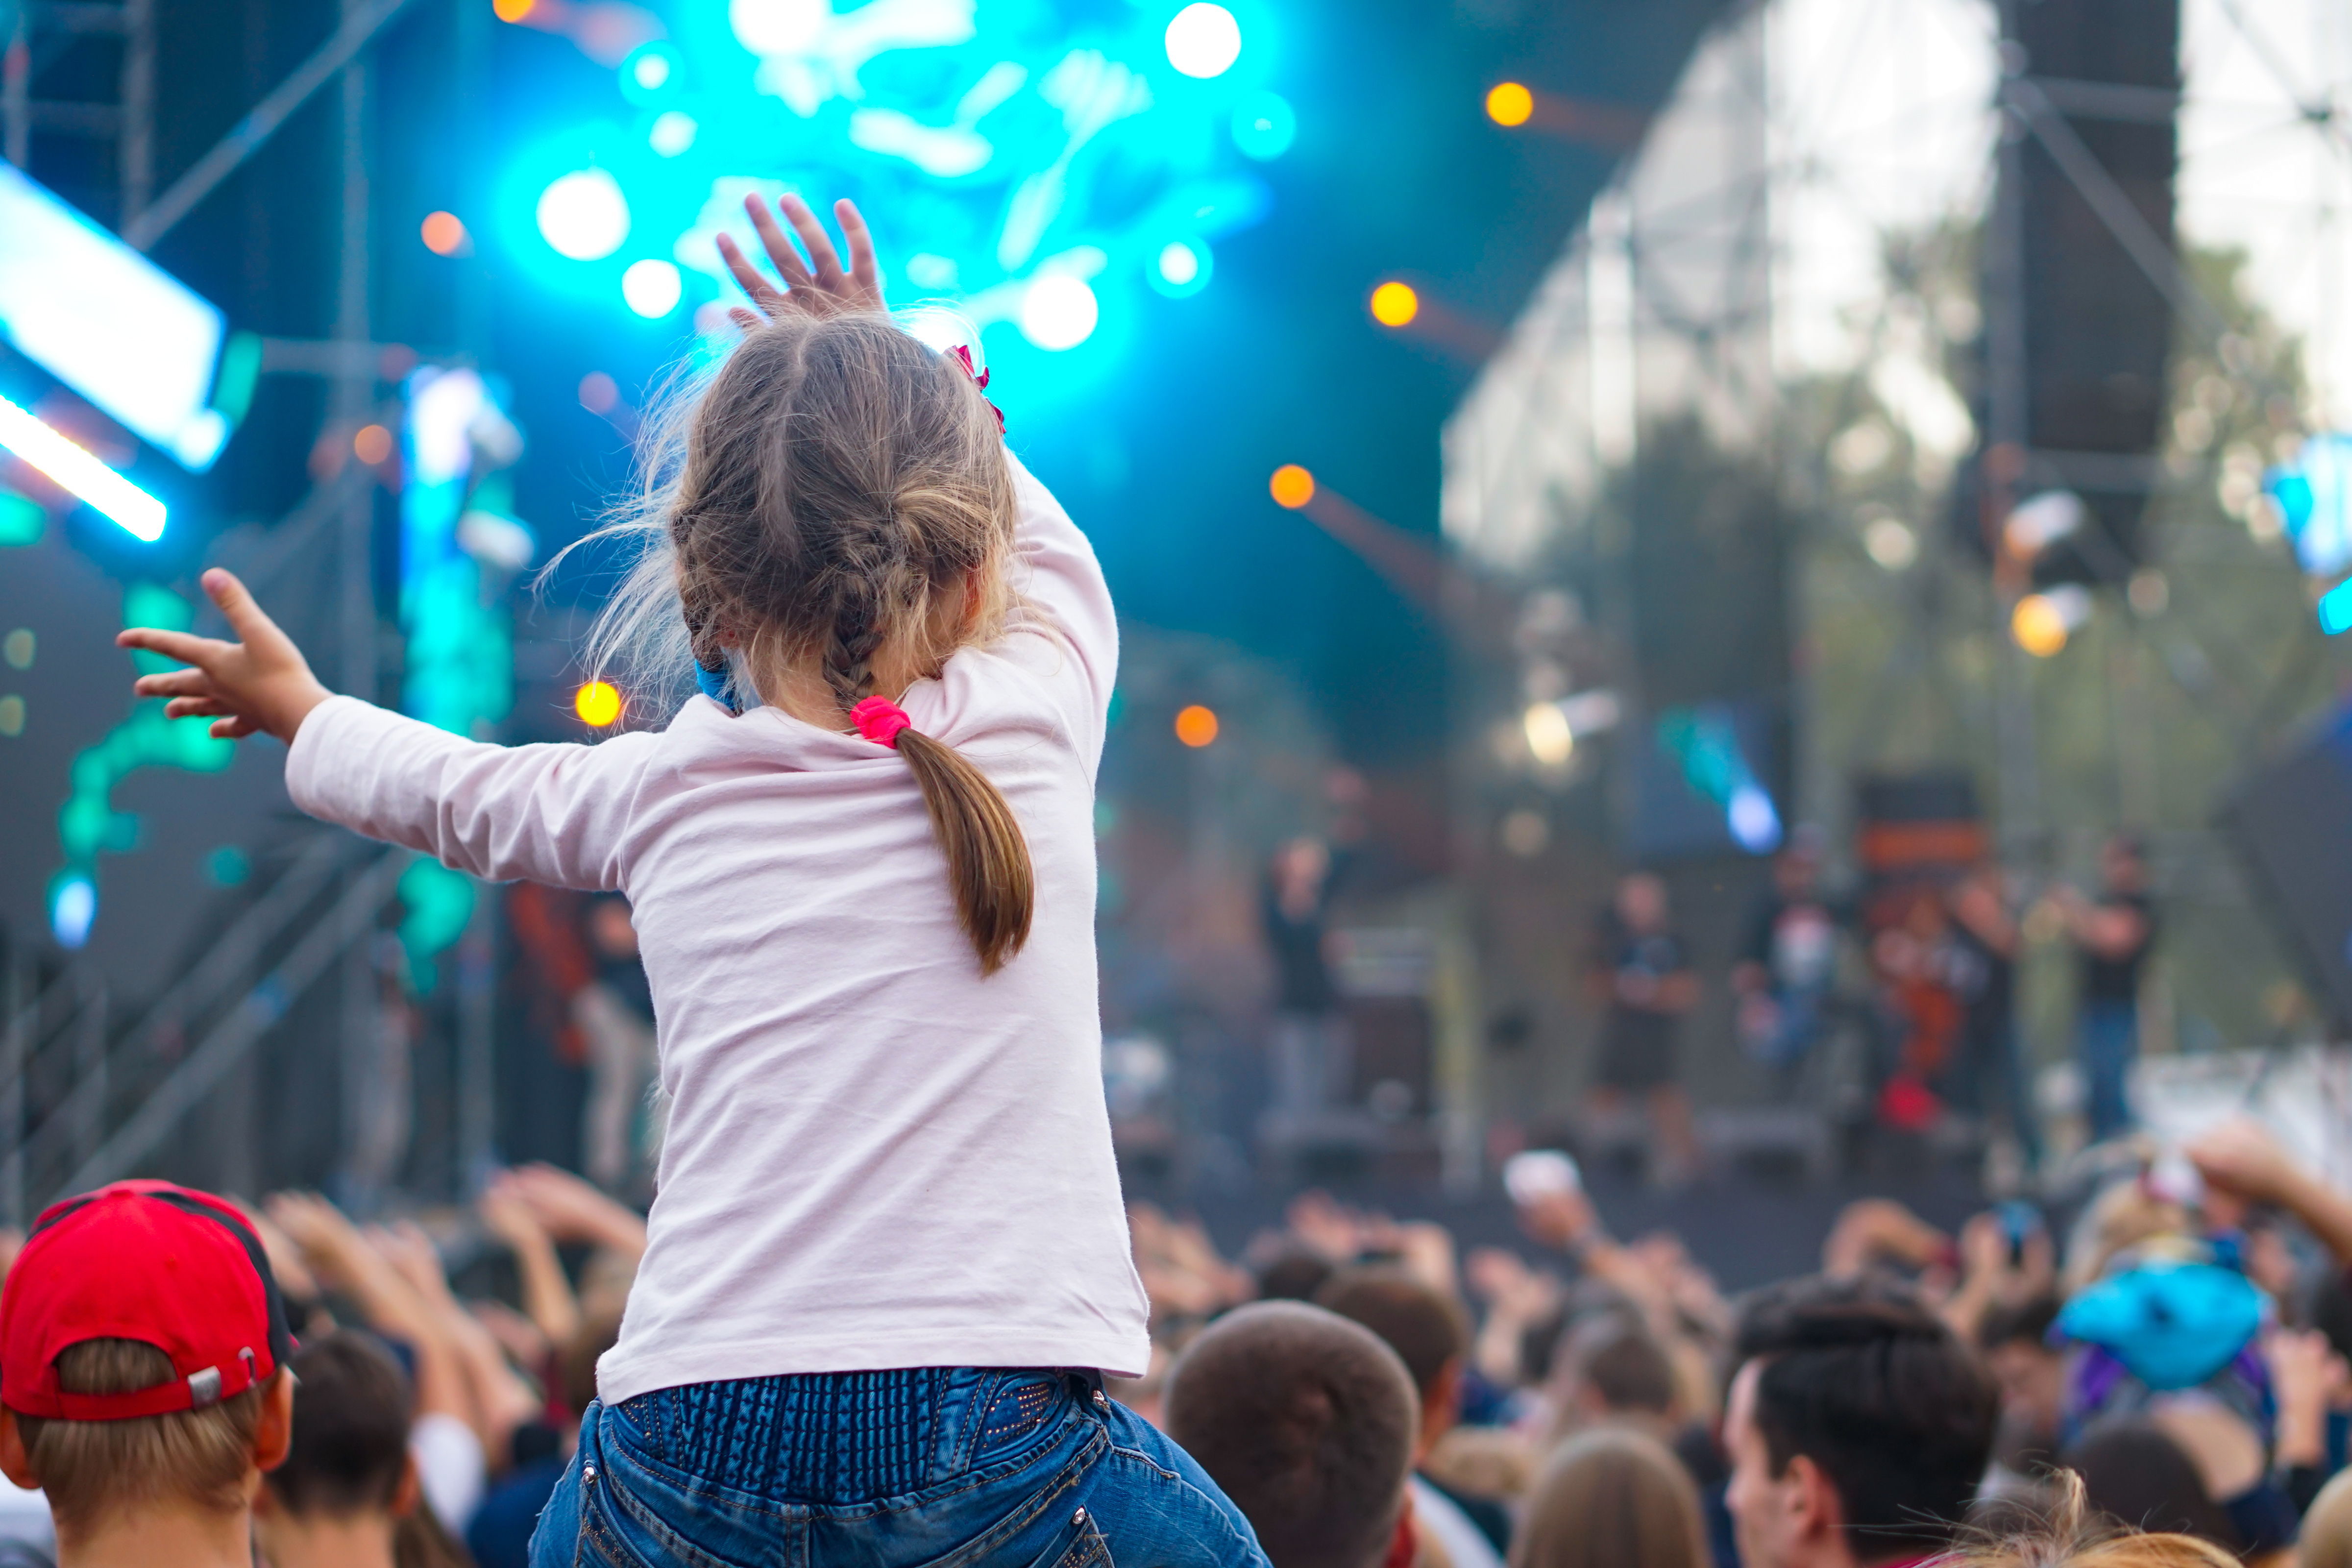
x=22 y=521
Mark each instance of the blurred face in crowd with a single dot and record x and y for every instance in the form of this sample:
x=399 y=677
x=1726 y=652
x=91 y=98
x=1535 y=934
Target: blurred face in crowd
x=2032 y=1380
x=2120 y=868
x=1795 y=874
x=1780 y=1520
x=1642 y=902
x=609 y=929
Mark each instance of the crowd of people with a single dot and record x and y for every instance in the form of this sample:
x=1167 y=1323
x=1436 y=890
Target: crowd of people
x=2160 y=1379
x=2169 y=1360
x=1928 y=980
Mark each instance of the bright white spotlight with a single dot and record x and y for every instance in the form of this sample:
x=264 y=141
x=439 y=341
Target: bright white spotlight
x=73 y=908
x=1058 y=313
x=1752 y=820
x=942 y=327
x=109 y=322
x=1179 y=264
x=583 y=214
x=141 y=514
x=672 y=133
x=1203 y=40
x=651 y=287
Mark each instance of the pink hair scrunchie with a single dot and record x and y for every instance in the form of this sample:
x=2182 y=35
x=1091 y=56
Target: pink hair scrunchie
x=879 y=720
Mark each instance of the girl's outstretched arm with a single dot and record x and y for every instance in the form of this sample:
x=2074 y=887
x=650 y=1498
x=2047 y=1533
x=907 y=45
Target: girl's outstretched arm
x=555 y=814
x=260 y=684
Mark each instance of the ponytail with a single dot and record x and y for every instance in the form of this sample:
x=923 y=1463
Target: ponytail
x=989 y=874
x=988 y=859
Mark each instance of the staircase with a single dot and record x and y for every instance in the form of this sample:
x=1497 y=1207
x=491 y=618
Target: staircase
x=90 y=1090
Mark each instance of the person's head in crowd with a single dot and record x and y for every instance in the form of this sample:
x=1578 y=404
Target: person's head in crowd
x=1641 y=902
x=1547 y=1191
x=2070 y=1534
x=2137 y=1477
x=2326 y=1541
x=143 y=1386
x=1612 y=1499
x=1308 y=1422
x=1858 y=1426
x=348 y=1479
x=1797 y=868
x=2127 y=1217
x=1426 y=1327
x=1293 y=1272
x=2123 y=864
x=2015 y=1339
x=1609 y=1369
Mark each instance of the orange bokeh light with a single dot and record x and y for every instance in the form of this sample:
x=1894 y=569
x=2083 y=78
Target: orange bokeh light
x=512 y=10
x=1291 y=485
x=1509 y=103
x=444 y=233
x=598 y=703
x=1196 y=726
x=1395 y=304
x=371 y=444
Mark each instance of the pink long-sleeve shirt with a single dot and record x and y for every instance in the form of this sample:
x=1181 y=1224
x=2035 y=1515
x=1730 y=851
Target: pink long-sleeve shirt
x=876 y=1157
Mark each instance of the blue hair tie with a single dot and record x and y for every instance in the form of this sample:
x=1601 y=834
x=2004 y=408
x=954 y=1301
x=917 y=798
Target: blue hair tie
x=718 y=685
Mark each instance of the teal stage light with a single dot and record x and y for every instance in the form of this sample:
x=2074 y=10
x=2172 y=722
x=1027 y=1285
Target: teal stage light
x=1182 y=269
x=1265 y=125
x=79 y=471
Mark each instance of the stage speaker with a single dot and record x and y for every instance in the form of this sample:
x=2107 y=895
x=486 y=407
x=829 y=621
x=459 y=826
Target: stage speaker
x=2291 y=825
x=2097 y=330
x=1917 y=825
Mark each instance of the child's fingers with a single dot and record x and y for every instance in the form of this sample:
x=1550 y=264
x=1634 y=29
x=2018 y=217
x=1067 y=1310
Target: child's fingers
x=763 y=294
x=245 y=617
x=788 y=262
x=235 y=728
x=748 y=321
x=186 y=647
x=823 y=257
x=172 y=683
x=863 y=268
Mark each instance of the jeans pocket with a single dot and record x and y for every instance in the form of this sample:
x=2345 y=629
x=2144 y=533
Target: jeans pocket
x=1086 y=1548
x=621 y=1526
x=1015 y=1411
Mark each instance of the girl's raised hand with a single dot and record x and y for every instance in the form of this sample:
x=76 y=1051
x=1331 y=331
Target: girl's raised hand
x=819 y=286
x=259 y=684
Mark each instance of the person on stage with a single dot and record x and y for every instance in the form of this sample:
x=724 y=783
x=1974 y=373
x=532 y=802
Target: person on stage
x=887 y=1266
x=2113 y=935
x=1640 y=972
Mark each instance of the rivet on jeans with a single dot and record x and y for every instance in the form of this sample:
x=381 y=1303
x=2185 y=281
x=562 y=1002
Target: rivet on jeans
x=1079 y=1517
x=1102 y=1399
x=588 y=1473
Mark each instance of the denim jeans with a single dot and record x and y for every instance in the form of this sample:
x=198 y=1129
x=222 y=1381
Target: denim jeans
x=2108 y=1040
x=945 y=1468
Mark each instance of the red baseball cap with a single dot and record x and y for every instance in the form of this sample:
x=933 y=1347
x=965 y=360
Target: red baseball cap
x=177 y=1270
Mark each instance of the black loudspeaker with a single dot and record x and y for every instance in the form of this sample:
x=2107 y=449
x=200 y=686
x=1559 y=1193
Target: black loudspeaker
x=2097 y=329
x=2291 y=824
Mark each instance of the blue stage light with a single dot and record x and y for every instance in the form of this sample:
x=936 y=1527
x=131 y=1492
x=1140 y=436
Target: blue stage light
x=1058 y=313
x=672 y=133
x=2314 y=495
x=651 y=72
x=651 y=287
x=73 y=907
x=1265 y=125
x=141 y=514
x=1182 y=267
x=1203 y=40
x=109 y=322
x=582 y=214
